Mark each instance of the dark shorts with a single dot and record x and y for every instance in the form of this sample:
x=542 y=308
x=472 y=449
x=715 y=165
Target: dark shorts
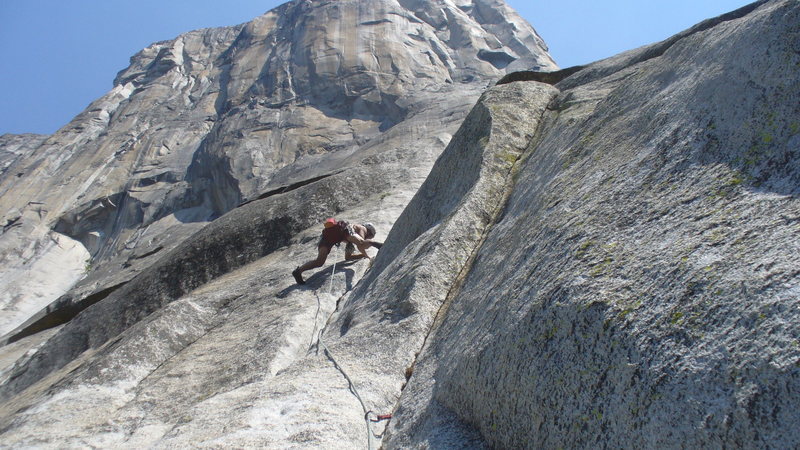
x=349 y=231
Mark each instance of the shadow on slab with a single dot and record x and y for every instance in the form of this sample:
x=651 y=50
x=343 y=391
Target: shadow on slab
x=318 y=280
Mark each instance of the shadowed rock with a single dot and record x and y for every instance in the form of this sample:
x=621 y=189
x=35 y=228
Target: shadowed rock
x=541 y=77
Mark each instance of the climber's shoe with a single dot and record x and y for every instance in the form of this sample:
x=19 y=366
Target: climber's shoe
x=297 y=276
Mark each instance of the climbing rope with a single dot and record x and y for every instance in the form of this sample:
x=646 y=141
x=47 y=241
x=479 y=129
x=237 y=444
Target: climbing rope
x=330 y=286
x=319 y=303
x=351 y=385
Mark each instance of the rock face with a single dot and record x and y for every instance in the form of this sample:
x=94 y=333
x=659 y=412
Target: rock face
x=610 y=261
x=35 y=272
x=641 y=287
x=12 y=146
x=197 y=125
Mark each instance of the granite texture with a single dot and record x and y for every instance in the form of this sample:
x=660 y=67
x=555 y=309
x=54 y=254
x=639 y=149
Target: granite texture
x=600 y=257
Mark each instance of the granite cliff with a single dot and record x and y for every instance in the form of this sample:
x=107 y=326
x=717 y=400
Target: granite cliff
x=604 y=257
x=217 y=117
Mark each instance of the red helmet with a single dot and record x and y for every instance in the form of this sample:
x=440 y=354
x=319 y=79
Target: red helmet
x=330 y=222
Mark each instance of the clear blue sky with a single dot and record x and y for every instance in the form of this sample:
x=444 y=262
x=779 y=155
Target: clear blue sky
x=59 y=55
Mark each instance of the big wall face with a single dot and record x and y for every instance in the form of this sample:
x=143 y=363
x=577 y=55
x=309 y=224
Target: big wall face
x=200 y=124
x=606 y=262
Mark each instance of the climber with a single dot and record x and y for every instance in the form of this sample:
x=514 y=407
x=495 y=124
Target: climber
x=335 y=232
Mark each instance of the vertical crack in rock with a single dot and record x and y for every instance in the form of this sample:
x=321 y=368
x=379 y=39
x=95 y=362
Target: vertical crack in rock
x=449 y=425
x=493 y=218
x=396 y=304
